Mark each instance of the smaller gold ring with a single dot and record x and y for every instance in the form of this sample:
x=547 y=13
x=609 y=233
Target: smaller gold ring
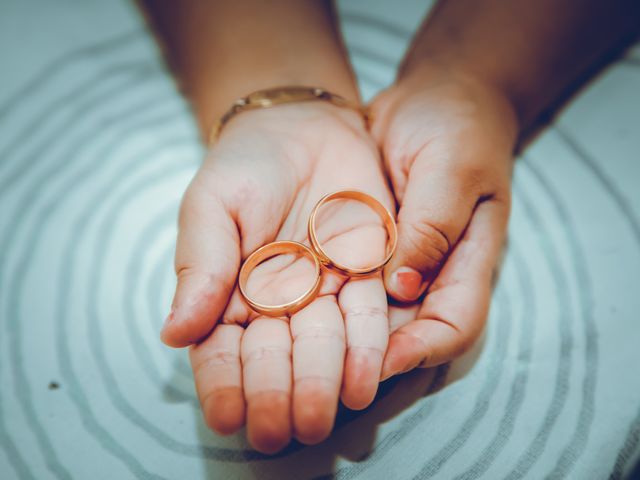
x=380 y=209
x=266 y=252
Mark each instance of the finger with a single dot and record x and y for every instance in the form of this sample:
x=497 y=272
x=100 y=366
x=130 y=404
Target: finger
x=275 y=282
x=456 y=306
x=435 y=210
x=207 y=262
x=266 y=360
x=318 y=357
x=400 y=315
x=364 y=309
x=218 y=376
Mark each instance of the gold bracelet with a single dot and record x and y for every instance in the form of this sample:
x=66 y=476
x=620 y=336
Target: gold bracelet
x=281 y=95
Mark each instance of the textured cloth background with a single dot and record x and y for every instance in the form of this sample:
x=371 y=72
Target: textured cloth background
x=96 y=148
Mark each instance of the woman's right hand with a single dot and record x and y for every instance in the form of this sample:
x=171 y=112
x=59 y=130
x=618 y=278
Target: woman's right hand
x=258 y=184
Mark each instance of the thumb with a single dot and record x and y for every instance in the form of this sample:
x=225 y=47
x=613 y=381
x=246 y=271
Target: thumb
x=207 y=262
x=435 y=209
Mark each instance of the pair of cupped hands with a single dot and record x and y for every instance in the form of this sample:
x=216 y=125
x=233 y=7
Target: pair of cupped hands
x=438 y=153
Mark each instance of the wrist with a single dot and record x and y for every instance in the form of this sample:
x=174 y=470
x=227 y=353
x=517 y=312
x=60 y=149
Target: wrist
x=226 y=50
x=283 y=95
x=439 y=85
x=493 y=77
x=310 y=123
x=214 y=102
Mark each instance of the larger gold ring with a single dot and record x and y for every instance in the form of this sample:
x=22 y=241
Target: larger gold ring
x=266 y=252
x=380 y=209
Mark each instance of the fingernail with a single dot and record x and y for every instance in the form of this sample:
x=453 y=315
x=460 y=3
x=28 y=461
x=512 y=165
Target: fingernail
x=407 y=282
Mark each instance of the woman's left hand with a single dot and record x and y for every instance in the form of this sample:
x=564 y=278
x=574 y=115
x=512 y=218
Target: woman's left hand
x=447 y=142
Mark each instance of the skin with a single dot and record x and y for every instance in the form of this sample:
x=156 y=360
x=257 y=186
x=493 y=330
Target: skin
x=448 y=151
x=475 y=81
x=258 y=184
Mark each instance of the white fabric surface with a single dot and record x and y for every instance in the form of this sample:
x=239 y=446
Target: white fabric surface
x=96 y=148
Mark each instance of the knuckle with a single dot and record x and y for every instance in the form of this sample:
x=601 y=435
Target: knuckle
x=368 y=354
x=462 y=335
x=210 y=280
x=209 y=284
x=188 y=270
x=319 y=332
x=473 y=176
x=412 y=343
x=216 y=358
x=266 y=353
x=361 y=313
x=428 y=240
x=364 y=330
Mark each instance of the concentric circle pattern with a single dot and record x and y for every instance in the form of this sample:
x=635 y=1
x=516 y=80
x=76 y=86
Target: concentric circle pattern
x=96 y=148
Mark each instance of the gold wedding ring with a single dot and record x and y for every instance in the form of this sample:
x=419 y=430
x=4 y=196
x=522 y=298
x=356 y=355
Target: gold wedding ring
x=317 y=253
x=377 y=207
x=266 y=252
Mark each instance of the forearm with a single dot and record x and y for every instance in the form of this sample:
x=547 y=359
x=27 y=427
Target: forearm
x=533 y=52
x=221 y=50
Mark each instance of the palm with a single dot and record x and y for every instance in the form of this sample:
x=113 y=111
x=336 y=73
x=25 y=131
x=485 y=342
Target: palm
x=268 y=171
x=349 y=231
